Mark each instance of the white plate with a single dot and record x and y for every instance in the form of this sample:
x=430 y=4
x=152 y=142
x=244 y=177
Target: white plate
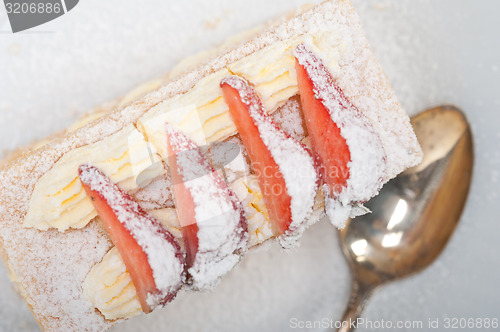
x=435 y=52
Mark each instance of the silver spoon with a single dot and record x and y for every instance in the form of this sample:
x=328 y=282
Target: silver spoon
x=415 y=214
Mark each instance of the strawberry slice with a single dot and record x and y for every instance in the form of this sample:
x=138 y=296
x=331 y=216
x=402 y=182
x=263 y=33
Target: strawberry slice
x=284 y=167
x=343 y=139
x=326 y=140
x=151 y=254
x=212 y=220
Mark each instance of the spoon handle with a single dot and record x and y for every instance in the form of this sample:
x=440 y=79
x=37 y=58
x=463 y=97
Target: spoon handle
x=360 y=293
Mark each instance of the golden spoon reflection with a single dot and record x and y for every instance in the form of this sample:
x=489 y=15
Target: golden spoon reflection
x=415 y=214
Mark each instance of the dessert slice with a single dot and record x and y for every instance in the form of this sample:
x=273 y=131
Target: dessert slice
x=151 y=254
x=350 y=152
x=50 y=235
x=212 y=221
x=284 y=167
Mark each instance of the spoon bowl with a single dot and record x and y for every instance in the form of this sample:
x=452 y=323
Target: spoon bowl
x=415 y=214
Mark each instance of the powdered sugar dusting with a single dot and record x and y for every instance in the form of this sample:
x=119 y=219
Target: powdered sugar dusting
x=294 y=161
x=368 y=163
x=156 y=195
x=222 y=232
x=163 y=251
x=51 y=266
x=231 y=157
x=289 y=118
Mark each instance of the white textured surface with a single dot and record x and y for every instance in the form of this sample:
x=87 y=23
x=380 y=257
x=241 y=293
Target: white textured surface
x=433 y=52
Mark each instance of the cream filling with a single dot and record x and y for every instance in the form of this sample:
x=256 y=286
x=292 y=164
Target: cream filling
x=202 y=115
x=108 y=285
x=110 y=289
x=259 y=226
x=59 y=201
x=131 y=155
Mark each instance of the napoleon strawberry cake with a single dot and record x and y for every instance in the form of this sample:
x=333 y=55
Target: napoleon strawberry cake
x=166 y=189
